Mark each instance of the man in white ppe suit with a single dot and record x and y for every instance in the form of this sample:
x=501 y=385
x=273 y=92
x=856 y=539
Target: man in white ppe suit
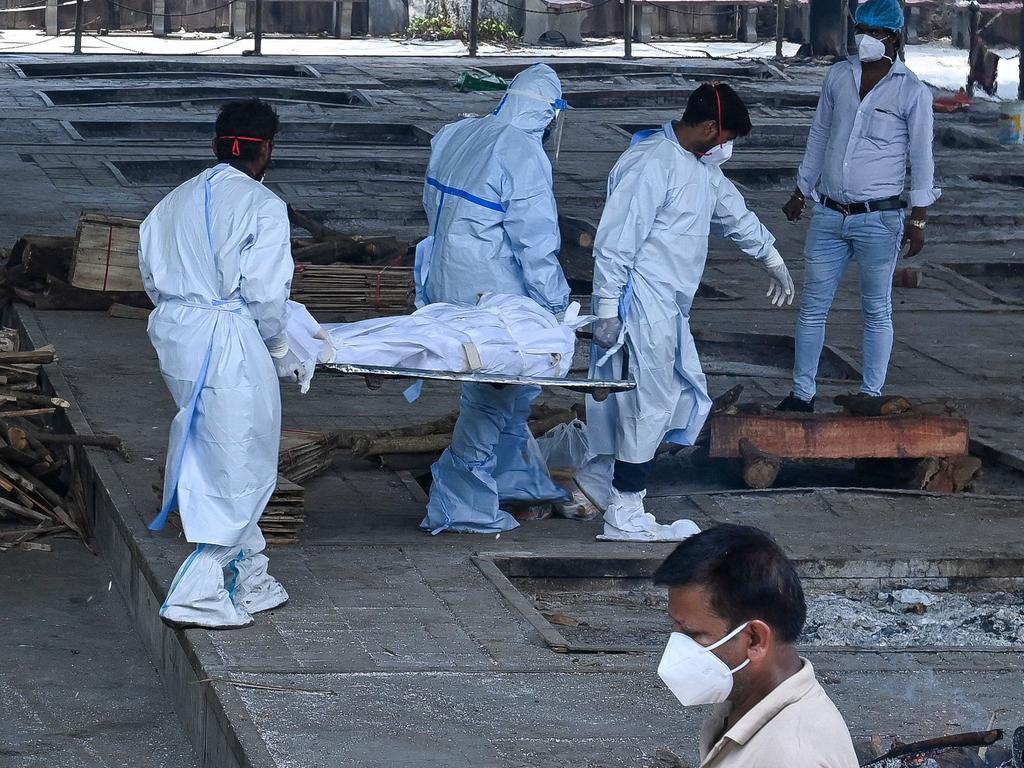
x=493 y=229
x=666 y=194
x=215 y=256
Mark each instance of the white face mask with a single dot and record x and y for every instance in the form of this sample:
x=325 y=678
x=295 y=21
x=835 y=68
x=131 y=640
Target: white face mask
x=693 y=673
x=870 y=49
x=718 y=154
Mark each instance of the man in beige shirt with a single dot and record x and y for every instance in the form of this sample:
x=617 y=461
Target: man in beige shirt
x=738 y=608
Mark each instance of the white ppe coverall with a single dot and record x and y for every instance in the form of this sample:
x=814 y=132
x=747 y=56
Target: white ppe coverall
x=493 y=229
x=649 y=255
x=215 y=257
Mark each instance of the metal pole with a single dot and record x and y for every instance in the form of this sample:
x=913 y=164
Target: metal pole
x=474 y=22
x=258 y=32
x=79 y=13
x=627 y=27
x=1020 y=59
x=780 y=28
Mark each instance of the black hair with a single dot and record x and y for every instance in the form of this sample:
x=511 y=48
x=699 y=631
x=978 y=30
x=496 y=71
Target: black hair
x=746 y=574
x=703 y=106
x=251 y=118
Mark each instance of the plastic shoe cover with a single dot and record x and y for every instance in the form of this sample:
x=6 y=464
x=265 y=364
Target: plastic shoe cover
x=252 y=588
x=197 y=597
x=595 y=480
x=626 y=520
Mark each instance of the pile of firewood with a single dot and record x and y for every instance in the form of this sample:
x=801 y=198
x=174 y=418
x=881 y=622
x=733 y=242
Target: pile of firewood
x=40 y=483
x=38 y=272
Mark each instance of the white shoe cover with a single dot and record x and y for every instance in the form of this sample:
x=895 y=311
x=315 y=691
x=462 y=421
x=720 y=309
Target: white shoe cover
x=595 y=480
x=626 y=520
x=251 y=587
x=197 y=597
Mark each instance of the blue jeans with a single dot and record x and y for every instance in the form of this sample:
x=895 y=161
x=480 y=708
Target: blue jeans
x=873 y=240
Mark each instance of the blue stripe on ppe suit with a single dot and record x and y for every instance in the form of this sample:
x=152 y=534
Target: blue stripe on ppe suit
x=215 y=260
x=494 y=229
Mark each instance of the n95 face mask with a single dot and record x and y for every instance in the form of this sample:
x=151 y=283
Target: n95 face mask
x=693 y=673
x=718 y=154
x=869 y=48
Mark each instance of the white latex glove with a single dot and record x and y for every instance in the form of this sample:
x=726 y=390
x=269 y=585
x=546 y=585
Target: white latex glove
x=781 y=290
x=606 y=332
x=289 y=367
x=327 y=353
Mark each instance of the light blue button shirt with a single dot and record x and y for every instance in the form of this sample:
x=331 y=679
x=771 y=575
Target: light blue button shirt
x=857 y=150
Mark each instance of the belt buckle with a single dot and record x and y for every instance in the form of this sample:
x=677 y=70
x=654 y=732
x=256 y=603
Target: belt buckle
x=843 y=209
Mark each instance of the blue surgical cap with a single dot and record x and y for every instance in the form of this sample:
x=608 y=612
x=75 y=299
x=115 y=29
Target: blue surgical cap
x=881 y=14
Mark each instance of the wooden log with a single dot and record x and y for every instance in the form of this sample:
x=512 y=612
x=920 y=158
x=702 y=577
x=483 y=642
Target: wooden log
x=29 y=412
x=40 y=356
x=760 y=469
x=350 y=249
x=319 y=231
x=576 y=231
x=866 y=405
x=836 y=436
x=946 y=475
x=126 y=312
x=41 y=255
x=112 y=442
x=62 y=296
x=29 y=398
x=411 y=444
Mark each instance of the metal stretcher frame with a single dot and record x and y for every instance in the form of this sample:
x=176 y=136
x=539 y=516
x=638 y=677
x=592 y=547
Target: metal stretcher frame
x=582 y=385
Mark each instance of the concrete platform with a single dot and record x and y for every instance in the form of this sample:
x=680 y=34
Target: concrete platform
x=395 y=648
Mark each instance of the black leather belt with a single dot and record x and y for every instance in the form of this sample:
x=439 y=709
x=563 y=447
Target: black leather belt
x=853 y=209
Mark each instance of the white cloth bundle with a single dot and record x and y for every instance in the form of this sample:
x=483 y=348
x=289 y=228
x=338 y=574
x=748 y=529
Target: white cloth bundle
x=502 y=334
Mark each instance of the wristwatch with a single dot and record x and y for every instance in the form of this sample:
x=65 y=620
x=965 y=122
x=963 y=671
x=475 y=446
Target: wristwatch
x=919 y=223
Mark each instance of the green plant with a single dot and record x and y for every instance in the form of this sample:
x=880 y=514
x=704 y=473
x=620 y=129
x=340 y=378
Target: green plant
x=433 y=28
x=494 y=31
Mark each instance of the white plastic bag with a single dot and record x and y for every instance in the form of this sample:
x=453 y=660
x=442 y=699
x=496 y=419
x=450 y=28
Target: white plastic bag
x=565 y=447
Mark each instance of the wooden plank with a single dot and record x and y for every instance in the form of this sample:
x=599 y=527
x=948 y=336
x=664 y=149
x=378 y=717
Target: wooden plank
x=106 y=256
x=837 y=436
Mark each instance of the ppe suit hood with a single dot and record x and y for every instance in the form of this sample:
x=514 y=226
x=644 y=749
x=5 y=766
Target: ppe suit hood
x=533 y=111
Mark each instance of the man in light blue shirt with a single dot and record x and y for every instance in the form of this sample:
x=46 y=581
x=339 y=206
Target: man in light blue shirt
x=873 y=114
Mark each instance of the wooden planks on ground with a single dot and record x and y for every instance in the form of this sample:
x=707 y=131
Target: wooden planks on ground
x=837 y=436
x=106 y=256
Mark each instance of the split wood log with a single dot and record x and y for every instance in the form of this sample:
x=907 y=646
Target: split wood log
x=576 y=231
x=29 y=412
x=835 y=436
x=113 y=442
x=126 y=312
x=866 y=405
x=354 y=250
x=760 y=469
x=360 y=441
x=318 y=230
x=410 y=444
x=41 y=255
x=40 y=356
x=942 y=475
x=29 y=398
x=973 y=739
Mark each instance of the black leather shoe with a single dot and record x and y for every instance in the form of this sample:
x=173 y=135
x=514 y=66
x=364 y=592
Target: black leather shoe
x=793 y=404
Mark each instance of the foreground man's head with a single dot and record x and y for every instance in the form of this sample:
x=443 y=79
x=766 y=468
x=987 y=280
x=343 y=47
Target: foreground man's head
x=738 y=608
x=245 y=135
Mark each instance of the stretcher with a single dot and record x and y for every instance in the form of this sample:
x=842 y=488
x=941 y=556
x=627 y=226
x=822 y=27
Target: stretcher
x=374 y=375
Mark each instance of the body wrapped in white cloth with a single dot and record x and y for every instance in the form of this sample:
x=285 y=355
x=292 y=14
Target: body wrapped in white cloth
x=502 y=334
